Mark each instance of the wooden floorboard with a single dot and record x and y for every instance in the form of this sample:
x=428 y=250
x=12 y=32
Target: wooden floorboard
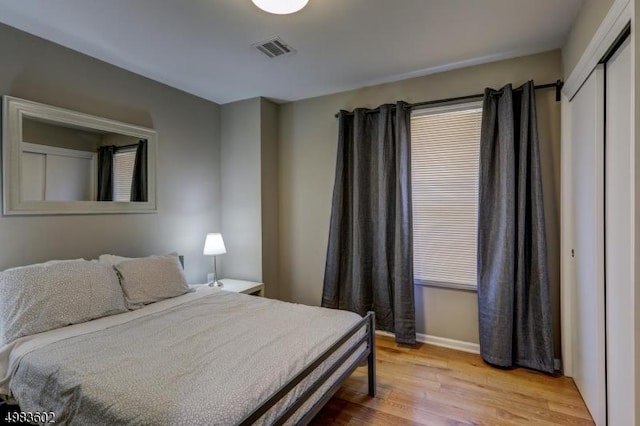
x=430 y=385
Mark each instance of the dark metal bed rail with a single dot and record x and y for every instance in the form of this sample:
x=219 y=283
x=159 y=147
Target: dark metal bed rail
x=321 y=381
x=371 y=374
x=368 y=323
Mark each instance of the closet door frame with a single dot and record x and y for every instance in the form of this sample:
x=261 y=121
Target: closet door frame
x=620 y=14
x=623 y=13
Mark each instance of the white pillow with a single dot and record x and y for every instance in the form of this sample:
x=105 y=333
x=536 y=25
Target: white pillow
x=151 y=279
x=55 y=294
x=112 y=259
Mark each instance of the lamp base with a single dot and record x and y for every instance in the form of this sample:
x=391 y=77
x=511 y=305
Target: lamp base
x=213 y=278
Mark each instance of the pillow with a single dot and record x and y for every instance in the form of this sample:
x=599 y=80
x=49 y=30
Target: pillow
x=55 y=294
x=112 y=259
x=151 y=279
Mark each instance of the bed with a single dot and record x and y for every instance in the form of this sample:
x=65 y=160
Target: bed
x=202 y=357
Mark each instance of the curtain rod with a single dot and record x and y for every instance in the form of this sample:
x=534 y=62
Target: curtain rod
x=557 y=85
x=133 y=145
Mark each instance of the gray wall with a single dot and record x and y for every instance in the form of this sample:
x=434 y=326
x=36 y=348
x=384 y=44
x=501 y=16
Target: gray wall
x=41 y=133
x=188 y=160
x=307 y=153
x=269 y=184
x=249 y=162
x=241 y=192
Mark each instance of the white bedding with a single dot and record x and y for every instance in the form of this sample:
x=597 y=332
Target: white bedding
x=208 y=357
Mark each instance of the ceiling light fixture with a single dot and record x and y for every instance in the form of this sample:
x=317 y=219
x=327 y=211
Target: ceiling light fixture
x=280 y=7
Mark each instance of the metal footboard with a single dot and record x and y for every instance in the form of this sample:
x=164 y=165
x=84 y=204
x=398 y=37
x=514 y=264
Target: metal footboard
x=368 y=324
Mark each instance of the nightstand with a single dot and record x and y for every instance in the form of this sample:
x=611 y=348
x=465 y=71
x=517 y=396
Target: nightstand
x=246 y=287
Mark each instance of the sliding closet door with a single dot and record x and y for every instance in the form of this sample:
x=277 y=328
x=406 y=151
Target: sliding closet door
x=587 y=148
x=619 y=216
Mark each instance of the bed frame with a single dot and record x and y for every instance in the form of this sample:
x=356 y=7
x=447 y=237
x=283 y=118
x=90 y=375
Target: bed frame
x=368 y=324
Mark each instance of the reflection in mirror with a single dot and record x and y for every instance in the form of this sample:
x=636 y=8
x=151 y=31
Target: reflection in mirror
x=57 y=160
x=63 y=163
x=126 y=182
x=122 y=171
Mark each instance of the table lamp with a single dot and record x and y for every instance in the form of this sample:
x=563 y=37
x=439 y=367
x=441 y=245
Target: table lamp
x=213 y=246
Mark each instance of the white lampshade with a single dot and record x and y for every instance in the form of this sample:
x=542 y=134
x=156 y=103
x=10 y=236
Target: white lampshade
x=280 y=7
x=214 y=245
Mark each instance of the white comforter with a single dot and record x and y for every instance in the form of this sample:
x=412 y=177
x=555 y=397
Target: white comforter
x=207 y=358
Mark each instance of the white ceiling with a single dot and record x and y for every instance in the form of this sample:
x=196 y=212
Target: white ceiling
x=204 y=46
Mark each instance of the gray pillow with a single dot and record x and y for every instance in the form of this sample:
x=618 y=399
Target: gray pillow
x=55 y=294
x=151 y=279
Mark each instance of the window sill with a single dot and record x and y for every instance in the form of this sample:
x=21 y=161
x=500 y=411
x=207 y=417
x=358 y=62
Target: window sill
x=446 y=285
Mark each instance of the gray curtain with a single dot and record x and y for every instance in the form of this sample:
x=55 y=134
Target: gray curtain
x=139 y=178
x=513 y=283
x=105 y=173
x=370 y=256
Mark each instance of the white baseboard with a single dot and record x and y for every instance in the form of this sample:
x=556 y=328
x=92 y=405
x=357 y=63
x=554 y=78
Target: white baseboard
x=458 y=345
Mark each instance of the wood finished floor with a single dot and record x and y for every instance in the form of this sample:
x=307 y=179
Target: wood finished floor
x=429 y=385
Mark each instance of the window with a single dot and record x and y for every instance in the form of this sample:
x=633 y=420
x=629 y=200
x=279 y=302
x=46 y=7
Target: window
x=445 y=152
x=123 y=161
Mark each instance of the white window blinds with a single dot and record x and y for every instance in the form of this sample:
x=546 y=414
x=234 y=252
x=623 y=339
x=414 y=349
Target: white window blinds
x=445 y=151
x=123 y=162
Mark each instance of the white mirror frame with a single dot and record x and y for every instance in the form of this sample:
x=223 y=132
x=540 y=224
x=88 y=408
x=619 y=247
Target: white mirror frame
x=14 y=109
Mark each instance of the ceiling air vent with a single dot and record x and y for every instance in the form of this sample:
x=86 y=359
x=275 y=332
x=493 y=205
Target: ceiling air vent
x=274 y=47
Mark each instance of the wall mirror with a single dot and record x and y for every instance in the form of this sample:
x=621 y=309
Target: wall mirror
x=57 y=161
